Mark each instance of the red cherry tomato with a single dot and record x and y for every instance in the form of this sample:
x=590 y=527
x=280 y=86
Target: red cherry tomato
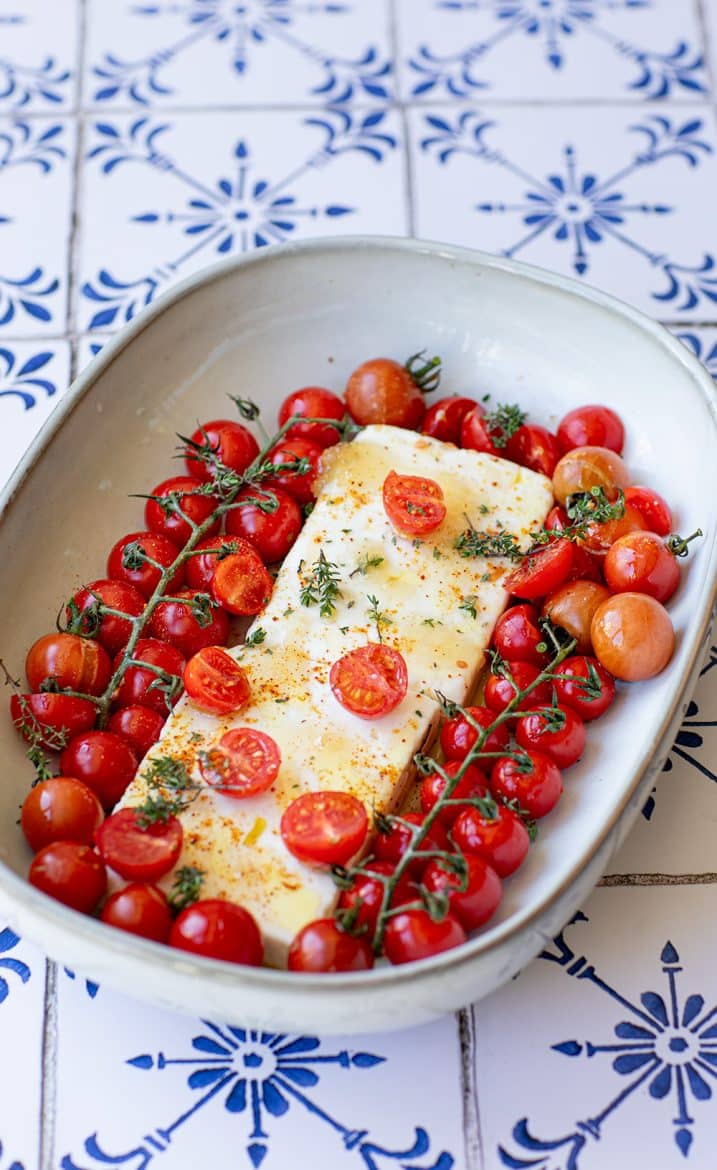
x=586 y=567
x=231 y=444
x=370 y=681
x=141 y=726
x=175 y=622
x=53 y=718
x=413 y=505
x=129 y=567
x=654 y=510
x=104 y=761
x=244 y=763
x=241 y=583
x=472 y=783
x=199 y=569
x=413 y=935
x=499 y=691
x=642 y=562
x=111 y=631
x=300 y=486
x=444 y=419
x=60 y=809
x=537 y=791
x=476 y=434
x=140 y=685
x=518 y=636
x=541 y=571
x=458 y=736
x=322 y=946
x=557 y=519
x=392 y=845
x=139 y=909
x=365 y=896
x=558 y=733
x=534 y=447
x=478 y=902
x=584 y=685
x=328 y=828
x=591 y=426
x=218 y=929
x=215 y=682
x=136 y=851
x=272 y=533
x=313 y=402
x=599 y=538
x=173 y=523
x=501 y=839
x=71 y=873
x=71 y=661
x=383 y=391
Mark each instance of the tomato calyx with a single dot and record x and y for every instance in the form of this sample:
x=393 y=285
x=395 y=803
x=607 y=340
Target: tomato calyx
x=679 y=545
x=425 y=372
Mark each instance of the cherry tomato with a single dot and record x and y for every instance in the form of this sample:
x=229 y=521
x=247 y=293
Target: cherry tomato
x=141 y=726
x=472 y=783
x=584 y=685
x=231 y=444
x=60 y=809
x=271 y=533
x=51 y=717
x=586 y=468
x=392 y=845
x=414 y=505
x=541 y=571
x=517 y=636
x=136 y=851
x=71 y=873
x=241 y=583
x=558 y=732
x=502 y=840
x=383 y=391
x=458 y=736
x=599 y=538
x=328 y=828
x=478 y=902
x=557 y=519
x=111 y=631
x=476 y=435
x=652 y=507
x=313 y=402
x=244 y=763
x=365 y=896
x=140 y=685
x=591 y=426
x=139 y=909
x=632 y=636
x=104 y=761
x=572 y=607
x=215 y=682
x=322 y=946
x=145 y=576
x=534 y=447
x=76 y=663
x=173 y=523
x=499 y=691
x=218 y=929
x=642 y=562
x=300 y=486
x=413 y=934
x=175 y=622
x=586 y=567
x=200 y=569
x=370 y=681
x=536 y=790
x=444 y=419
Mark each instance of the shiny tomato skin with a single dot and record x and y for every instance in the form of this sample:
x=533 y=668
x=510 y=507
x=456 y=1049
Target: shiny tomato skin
x=113 y=632
x=414 y=505
x=383 y=391
x=71 y=873
x=586 y=567
x=137 y=684
x=199 y=570
x=499 y=691
x=322 y=947
x=244 y=763
x=571 y=692
x=632 y=636
x=218 y=929
x=534 y=447
x=139 y=909
x=231 y=443
x=458 y=736
x=391 y=846
x=572 y=607
x=414 y=935
x=104 y=761
x=563 y=746
x=146 y=577
x=541 y=571
x=537 y=792
x=599 y=538
x=370 y=681
x=654 y=510
x=313 y=402
x=473 y=783
x=587 y=467
x=475 y=905
x=214 y=682
x=365 y=896
x=272 y=534
x=517 y=636
x=301 y=487
x=197 y=507
x=444 y=419
x=502 y=841
x=591 y=426
x=326 y=828
x=139 y=725
x=241 y=582
x=642 y=563
x=137 y=853
x=175 y=623
x=60 y=809
x=73 y=662
x=48 y=714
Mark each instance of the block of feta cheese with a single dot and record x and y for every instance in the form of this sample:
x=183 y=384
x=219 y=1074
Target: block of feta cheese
x=441 y=608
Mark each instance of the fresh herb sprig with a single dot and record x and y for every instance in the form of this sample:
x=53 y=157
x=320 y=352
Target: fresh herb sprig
x=474 y=543
x=321 y=587
x=503 y=421
x=186 y=888
x=377 y=615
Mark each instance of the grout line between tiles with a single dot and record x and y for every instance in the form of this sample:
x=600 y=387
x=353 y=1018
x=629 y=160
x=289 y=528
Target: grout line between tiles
x=658 y=879
x=48 y=1069
x=706 y=44
x=76 y=188
x=472 y=1138
x=407 y=170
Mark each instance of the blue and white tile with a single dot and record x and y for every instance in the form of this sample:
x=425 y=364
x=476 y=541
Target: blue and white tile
x=616 y=196
x=217 y=52
x=256 y=1099
x=630 y=50
x=603 y=1052
x=35 y=219
x=22 y=991
x=164 y=198
x=33 y=377
x=38 y=55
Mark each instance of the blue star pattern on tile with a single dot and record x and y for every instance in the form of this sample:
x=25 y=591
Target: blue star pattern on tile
x=666 y=1045
x=579 y=209
x=551 y=24
x=22 y=85
x=261 y=1076
x=20 y=381
x=8 y=942
x=244 y=28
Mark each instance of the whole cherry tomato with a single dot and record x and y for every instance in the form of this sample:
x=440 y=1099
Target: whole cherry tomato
x=541 y=571
x=327 y=828
x=111 y=631
x=589 y=467
x=272 y=533
x=413 y=934
x=444 y=419
x=138 y=850
x=140 y=725
x=313 y=402
x=499 y=691
x=599 y=538
x=383 y=391
x=473 y=783
x=241 y=583
x=458 y=736
x=517 y=636
x=139 y=909
x=501 y=838
x=557 y=732
x=572 y=607
x=218 y=929
x=300 y=485
x=365 y=895
x=392 y=845
x=224 y=442
x=177 y=622
x=51 y=719
x=475 y=904
x=585 y=685
x=476 y=434
x=72 y=662
x=322 y=946
x=591 y=426
x=414 y=505
x=145 y=686
x=534 y=447
x=641 y=562
x=244 y=763
x=71 y=873
x=654 y=510
x=181 y=502
x=215 y=682
x=370 y=681
x=126 y=561
x=199 y=569
x=104 y=761
x=60 y=809
x=632 y=636
x=537 y=787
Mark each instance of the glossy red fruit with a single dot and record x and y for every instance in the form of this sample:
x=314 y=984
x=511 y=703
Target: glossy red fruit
x=51 y=719
x=173 y=523
x=60 y=809
x=382 y=391
x=322 y=947
x=218 y=929
x=215 y=682
x=534 y=447
x=542 y=571
x=591 y=426
x=229 y=443
x=300 y=485
x=518 y=637
x=476 y=434
x=536 y=791
x=392 y=845
x=69 y=661
x=241 y=583
x=654 y=510
x=414 y=505
x=139 y=725
x=272 y=533
x=370 y=681
x=129 y=566
x=413 y=935
x=584 y=685
x=139 y=909
x=199 y=569
x=326 y=828
x=641 y=562
x=71 y=873
x=143 y=686
x=557 y=732
x=136 y=850
x=499 y=690
x=444 y=419
x=478 y=902
x=244 y=763
x=313 y=402
x=365 y=896
x=458 y=736
x=175 y=622
x=105 y=762
x=473 y=783
x=501 y=838
x=111 y=631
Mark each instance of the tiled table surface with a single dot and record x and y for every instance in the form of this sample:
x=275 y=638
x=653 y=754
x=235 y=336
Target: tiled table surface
x=141 y=140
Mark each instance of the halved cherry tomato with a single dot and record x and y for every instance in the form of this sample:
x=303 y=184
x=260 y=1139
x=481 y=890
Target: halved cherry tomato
x=145 y=686
x=218 y=929
x=230 y=443
x=313 y=402
x=586 y=468
x=137 y=851
x=518 y=636
x=499 y=691
x=145 y=576
x=175 y=622
x=458 y=736
x=654 y=510
x=632 y=636
x=473 y=783
x=642 y=562
x=585 y=685
x=215 y=682
x=171 y=521
x=322 y=946
x=141 y=726
x=241 y=583
x=392 y=845
x=413 y=934
x=209 y=551
x=272 y=533
x=50 y=718
x=501 y=839
x=541 y=571
x=591 y=426
x=80 y=664
x=558 y=732
x=139 y=909
x=383 y=391
x=444 y=419
x=415 y=506
x=537 y=788
x=476 y=434
x=104 y=761
x=60 y=809
x=365 y=896
x=71 y=873
x=300 y=486
x=572 y=607
x=481 y=897
x=370 y=681
x=111 y=631
x=244 y=763
x=328 y=828
x=534 y=447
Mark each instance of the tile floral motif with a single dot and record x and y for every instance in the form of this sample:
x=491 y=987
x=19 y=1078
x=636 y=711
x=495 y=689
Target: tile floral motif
x=10 y=966
x=22 y=986
x=37 y=51
x=703 y=343
x=32 y=379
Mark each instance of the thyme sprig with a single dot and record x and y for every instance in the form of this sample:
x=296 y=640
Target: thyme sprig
x=365 y=564
x=188 y=880
x=474 y=543
x=377 y=615
x=503 y=421
x=170 y=790
x=321 y=587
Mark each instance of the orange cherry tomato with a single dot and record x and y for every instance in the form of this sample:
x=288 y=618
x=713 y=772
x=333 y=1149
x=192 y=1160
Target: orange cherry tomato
x=370 y=681
x=586 y=468
x=245 y=763
x=572 y=607
x=599 y=537
x=241 y=582
x=60 y=809
x=383 y=391
x=327 y=828
x=215 y=682
x=414 y=505
x=632 y=636
x=642 y=563
x=72 y=662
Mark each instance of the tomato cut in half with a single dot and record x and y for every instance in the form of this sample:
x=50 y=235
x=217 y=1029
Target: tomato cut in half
x=370 y=681
x=69 y=661
x=51 y=719
x=413 y=934
x=218 y=929
x=71 y=873
x=241 y=583
x=414 y=505
x=323 y=947
x=215 y=682
x=139 y=909
x=327 y=828
x=138 y=851
x=541 y=571
x=244 y=763
x=60 y=809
